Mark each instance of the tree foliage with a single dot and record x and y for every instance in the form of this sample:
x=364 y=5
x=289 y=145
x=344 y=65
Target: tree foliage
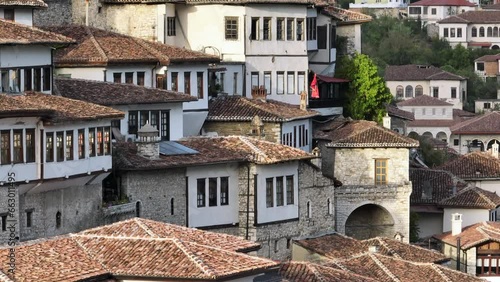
x=367 y=94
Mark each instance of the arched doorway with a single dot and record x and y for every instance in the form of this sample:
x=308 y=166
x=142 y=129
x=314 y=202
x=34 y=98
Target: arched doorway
x=442 y=136
x=413 y=135
x=476 y=145
x=369 y=221
x=495 y=47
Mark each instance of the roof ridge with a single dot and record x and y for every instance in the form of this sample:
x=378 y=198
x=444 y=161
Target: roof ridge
x=145 y=227
x=96 y=44
x=4 y=277
x=87 y=251
x=392 y=252
x=152 y=50
x=194 y=258
x=479 y=191
x=252 y=147
x=440 y=272
x=384 y=268
x=316 y=273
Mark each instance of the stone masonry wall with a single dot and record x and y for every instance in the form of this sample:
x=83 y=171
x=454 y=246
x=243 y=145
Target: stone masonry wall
x=58 y=12
x=272 y=131
x=154 y=190
x=9 y=198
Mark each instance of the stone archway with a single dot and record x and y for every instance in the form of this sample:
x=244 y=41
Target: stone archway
x=369 y=221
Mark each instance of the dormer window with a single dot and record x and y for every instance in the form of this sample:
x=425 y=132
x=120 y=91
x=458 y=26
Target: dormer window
x=8 y=14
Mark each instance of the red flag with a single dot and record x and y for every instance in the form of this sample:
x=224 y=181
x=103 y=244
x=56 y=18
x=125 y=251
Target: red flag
x=314 y=88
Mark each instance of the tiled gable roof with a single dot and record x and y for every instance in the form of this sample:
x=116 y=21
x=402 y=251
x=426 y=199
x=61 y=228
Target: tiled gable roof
x=85 y=255
x=473 y=197
x=418 y=72
x=431 y=186
x=213 y=150
x=488 y=58
x=23 y=3
x=343 y=16
x=473 y=235
x=20 y=34
x=473 y=17
x=458 y=117
x=363 y=134
x=55 y=108
x=393 y=111
x=109 y=94
x=454 y=3
x=488 y=123
x=295 y=271
x=492 y=7
x=476 y=165
x=97 y=47
x=237 y=108
x=423 y=100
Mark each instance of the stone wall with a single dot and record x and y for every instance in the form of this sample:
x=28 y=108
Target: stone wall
x=271 y=131
x=59 y=12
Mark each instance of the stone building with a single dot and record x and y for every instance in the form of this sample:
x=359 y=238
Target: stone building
x=259 y=190
x=373 y=164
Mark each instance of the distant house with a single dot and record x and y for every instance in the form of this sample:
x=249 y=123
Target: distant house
x=378 y=4
x=269 y=120
x=431 y=11
x=487 y=66
x=410 y=81
x=472 y=29
x=137 y=249
x=476 y=134
x=399 y=119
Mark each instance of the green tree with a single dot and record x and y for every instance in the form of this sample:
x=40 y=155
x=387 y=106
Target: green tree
x=367 y=93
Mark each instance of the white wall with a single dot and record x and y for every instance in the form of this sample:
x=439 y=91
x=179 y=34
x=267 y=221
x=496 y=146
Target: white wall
x=430 y=112
x=430 y=224
x=21 y=15
x=229 y=81
x=25 y=56
x=92 y=73
x=469 y=217
x=201 y=104
x=265 y=214
x=490 y=185
x=287 y=127
x=215 y=215
x=149 y=73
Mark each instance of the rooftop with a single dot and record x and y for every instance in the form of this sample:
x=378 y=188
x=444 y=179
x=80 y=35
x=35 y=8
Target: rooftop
x=454 y=3
x=23 y=3
x=97 y=47
x=488 y=58
x=473 y=235
x=423 y=100
x=393 y=111
x=343 y=16
x=363 y=134
x=110 y=94
x=476 y=165
x=55 y=108
x=20 y=34
x=295 y=271
x=418 y=72
x=488 y=123
x=136 y=248
x=474 y=17
x=237 y=108
x=473 y=197
x=431 y=186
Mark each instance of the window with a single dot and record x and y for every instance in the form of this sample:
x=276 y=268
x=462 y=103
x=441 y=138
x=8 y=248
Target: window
x=454 y=92
x=290 y=82
x=433 y=11
x=187 y=82
x=58 y=219
x=49 y=147
x=380 y=171
x=301 y=78
x=423 y=111
x=18 y=146
x=140 y=78
x=92 y=144
x=445 y=32
x=100 y=141
x=481 y=32
x=5 y=146
x=129 y=77
x=322 y=30
x=37 y=79
x=495 y=32
x=4 y=222
x=489 y=32
x=267 y=82
x=107 y=140
x=224 y=191
x=81 y=143
x=328 y=207
x=200 y=187
x=254 y=33
x=27 y=80
x=487 y=105
x=279 y=191
x=452 y=32
x=289 y=190
x=409 y=91
x=308 y=209
x=222 y=78
x=172 y=209
x=8 y=14
x=174 y=80
x=459 y=32
x=300 y=29
x=143 y=118
x=289 y=28
x=276 y=249
x=30 y=145
x=29 y=218
x=415 y=10
x=311 y=28
x=435 y=92
x=69 y=145
x=269 y=193
x=199 y=84
x=117 y=77
x=399 y=91
x=231 y=28
x=165 y=125
x=267 y=29
x=474 y=32
x=288 y=243
x=60 y=146
x=47 y=79
x=254 y=77
x=480 y=66
x=155 y=119
x=235 y=83
x=212 y=192
x=455 y=142
x=280 y=82
x=280 y=29
x=132 y=122
x=419 y=90
x=170 y=26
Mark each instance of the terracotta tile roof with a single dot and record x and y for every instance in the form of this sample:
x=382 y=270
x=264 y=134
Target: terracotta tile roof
x=488 y=58
x=384 y=268
x=294 y=271
x=23 y=3
x=212 y=150
x=363 y=134
x=431 y=186
x=473 y=197
x=88 y=255
x=492 y=7
x=458 y=117
x=488 y=123
x=476 y=165
x=473 y=17
x=461 y=3
x=337 y=247
x=97 y=47
x=235 y=2
x=473 y=235
x=393 y=111
x=16 y=33
x=237 y=108
x=343 y=16
x=418 y=72
x=110 y=94
x=423 y=100
x=54 y=107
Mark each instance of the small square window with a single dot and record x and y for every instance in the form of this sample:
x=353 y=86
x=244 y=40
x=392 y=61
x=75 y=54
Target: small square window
x=455 y=142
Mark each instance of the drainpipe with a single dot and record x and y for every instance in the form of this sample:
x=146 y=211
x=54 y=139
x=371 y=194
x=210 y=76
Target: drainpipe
x=248 y=201
x=153 y=76
x=458 y=253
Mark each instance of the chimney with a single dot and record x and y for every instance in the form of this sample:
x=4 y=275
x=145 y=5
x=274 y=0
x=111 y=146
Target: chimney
x=259 y=93
x=148 y=142
x=87 y=12
x=257 y=127
x=303 y=100
x=456 y=224
x=494 y=149
x=386 y=121
x=373 y=249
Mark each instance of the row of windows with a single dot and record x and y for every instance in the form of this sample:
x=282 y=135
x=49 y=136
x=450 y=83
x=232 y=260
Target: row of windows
x=221 y=77
x=298 y=138
x=119 y=77
x=262 y=28
x=26 y=79
x=418 y=11
x=29 y=219
x=174 y=80
x=279 y=191
x=453 y=32
x=280 y=81
x=17 y=146
x=158 y=119
x=218 y=191
x=419 y=91
x=490 y=32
